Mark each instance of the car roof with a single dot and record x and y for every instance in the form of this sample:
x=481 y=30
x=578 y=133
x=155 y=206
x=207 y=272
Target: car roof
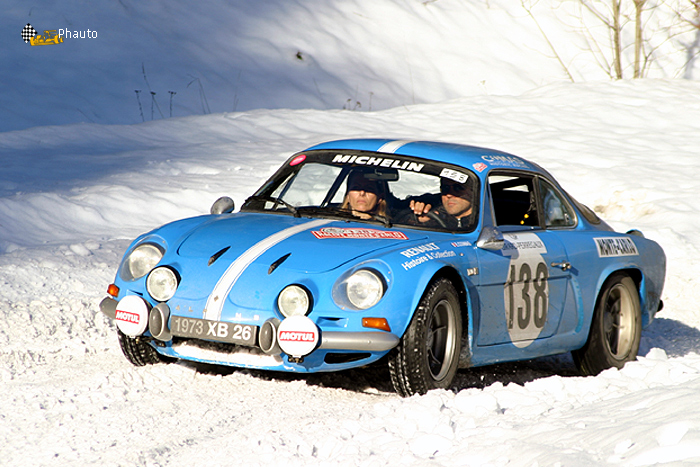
x=478 y=159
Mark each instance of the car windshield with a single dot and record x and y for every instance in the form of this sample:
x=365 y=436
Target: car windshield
x=372 y=187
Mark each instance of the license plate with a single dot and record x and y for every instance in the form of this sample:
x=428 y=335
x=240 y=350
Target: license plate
x=221 y=331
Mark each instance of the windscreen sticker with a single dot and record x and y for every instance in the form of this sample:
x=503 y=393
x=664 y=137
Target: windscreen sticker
x=353 y=233
x=458 y=177
x=424 y=253
x=609 y=247
x=378 y=162
x=526 y=291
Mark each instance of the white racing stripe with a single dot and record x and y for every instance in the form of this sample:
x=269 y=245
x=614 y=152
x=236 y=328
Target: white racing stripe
x=392 y=146
x=215 y=302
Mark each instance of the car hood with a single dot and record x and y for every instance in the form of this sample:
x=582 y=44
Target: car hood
x=310 y=245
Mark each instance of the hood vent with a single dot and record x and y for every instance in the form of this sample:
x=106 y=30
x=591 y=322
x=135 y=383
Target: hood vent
x=274 y=265
x=217 y=255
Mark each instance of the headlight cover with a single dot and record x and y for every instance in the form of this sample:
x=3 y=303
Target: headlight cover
x=294 y=300
x=360 y=290
x=140 y=261
x=162 y=283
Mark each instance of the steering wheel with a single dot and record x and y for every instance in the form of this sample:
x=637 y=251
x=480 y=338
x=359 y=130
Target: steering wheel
x=432 y=215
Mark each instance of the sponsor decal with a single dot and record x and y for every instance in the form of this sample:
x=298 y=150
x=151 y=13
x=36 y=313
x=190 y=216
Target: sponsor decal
x=378 y=162
x=461 y=244
x=424 y=253
x=615 y=246
x=127 y=317
x=419 y=249
x=131 y=315
x=504 y=160
x=458 y=177
x=480 y=166
x=297 y=336
x=518 y=242
x=337 y=232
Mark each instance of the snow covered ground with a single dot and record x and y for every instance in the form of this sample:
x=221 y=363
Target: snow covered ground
x=72 y=196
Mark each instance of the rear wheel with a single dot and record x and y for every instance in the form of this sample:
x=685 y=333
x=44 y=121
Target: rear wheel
x=139 y=352
x=616 y=328
x=427 y=355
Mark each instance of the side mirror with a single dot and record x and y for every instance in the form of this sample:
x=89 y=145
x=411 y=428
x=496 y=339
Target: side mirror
x=223 y=205
x=490 y=239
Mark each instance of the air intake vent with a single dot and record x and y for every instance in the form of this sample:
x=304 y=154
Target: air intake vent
x=217 y=255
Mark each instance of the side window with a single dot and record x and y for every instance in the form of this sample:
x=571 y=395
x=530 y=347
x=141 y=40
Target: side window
x=514 y=200
x=556 y=210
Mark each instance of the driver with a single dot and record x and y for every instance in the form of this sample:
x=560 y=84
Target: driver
x=456 y=211
x=364 y=197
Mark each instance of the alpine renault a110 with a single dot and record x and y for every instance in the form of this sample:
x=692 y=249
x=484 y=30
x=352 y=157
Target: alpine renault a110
x=436 y=256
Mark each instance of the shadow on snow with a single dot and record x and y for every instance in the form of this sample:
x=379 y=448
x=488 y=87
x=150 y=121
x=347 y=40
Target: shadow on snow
x=674 y=337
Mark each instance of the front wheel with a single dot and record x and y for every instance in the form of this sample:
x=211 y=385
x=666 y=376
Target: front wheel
x=616 y=329
x=427 y=356
x=139 y=352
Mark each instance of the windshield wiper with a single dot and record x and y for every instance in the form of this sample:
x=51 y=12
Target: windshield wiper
x=272 y=199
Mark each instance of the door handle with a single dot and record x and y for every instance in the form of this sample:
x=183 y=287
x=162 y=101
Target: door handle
x=564 y=265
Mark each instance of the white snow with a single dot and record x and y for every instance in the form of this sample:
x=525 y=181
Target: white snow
x=73 y=194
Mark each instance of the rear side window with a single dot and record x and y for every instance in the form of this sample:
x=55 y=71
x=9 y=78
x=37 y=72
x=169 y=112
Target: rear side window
x=556 y=210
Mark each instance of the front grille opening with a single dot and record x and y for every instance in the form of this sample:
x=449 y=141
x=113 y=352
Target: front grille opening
x=334 y=358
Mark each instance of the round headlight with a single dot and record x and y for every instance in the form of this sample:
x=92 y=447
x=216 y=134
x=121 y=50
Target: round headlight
x=141 y=261
x=162 y=284
x=364 y=289
x=294 y=300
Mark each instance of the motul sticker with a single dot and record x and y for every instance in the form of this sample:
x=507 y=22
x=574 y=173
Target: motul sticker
x=297 y=336
x=131 y=315
x=291 y=336
x=336 y=232
x=126 y=317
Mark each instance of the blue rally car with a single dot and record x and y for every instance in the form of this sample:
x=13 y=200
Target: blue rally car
x=438 y=256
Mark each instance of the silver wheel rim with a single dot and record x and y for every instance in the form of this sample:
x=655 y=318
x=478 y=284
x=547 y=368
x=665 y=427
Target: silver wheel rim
x=619 y=322
x=440 y=340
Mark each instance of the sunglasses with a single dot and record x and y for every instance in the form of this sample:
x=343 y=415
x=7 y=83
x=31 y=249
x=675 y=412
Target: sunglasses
x=455 y=189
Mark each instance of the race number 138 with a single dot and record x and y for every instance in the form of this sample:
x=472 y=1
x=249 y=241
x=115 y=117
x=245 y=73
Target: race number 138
x=527 y=300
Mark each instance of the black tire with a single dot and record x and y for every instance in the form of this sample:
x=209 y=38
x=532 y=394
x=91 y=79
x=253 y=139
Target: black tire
x=616 y=329
x=139 y=352
x=428 y=353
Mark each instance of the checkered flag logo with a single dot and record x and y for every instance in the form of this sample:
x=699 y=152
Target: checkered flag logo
x=28 y=32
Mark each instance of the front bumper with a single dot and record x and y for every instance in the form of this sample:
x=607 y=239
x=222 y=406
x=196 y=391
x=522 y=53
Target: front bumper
x=370 y=341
